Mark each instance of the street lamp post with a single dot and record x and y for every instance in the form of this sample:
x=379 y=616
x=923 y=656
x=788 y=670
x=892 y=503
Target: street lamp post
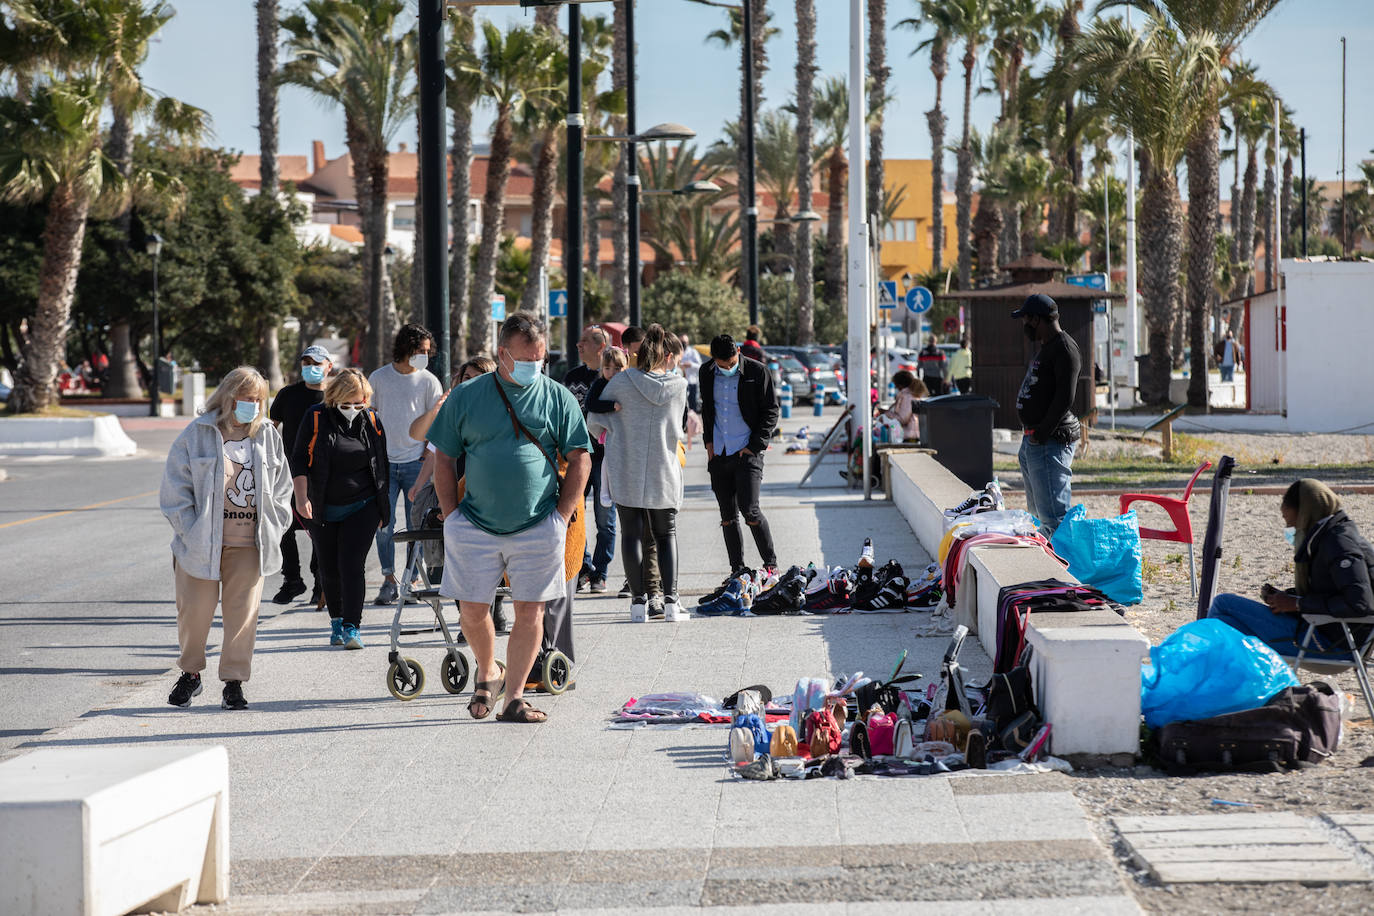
x=751 y=212
x=154 y=248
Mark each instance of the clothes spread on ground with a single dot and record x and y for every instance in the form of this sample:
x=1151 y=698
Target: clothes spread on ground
x=289 y=407
x=399 y=398
x=682 y=708
x=240 y=494
x=1046 y=397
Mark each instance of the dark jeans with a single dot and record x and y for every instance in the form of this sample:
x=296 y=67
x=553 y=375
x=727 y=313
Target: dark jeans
x=736 y=479
x=342 y=548
x=290 y=556
x=595 y=562
x=655 y=526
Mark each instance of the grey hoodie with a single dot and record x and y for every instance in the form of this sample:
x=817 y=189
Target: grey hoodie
x=641 y=448
x=192 y=497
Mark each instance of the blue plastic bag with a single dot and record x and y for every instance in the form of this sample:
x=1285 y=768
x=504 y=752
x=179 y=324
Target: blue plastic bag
x=1208 y=668
x=1102 y=552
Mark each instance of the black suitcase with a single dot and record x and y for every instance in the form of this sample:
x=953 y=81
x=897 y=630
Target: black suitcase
x=1297 y=725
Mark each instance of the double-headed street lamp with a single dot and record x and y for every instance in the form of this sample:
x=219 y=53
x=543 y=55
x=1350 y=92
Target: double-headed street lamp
x=154 y=247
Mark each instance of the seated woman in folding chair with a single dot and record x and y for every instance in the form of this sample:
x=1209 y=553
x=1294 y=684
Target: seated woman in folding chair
x=1333 y=567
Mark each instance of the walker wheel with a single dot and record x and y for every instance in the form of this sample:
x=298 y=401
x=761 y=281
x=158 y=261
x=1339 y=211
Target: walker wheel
x=454 y=671
x=405 y=679
x=557 y=672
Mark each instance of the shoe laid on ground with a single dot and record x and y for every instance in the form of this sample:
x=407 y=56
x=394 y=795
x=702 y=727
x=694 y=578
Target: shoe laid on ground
x=835 y=597
x=866 y=588
x=787 y=597
x=720 y=589
x=656 y=604
x=729 y=604
x=233 y=696
x=386 y=594
x=673 y=611
x=187 y=686
x=336 y=636
x=625 y=590
x=584 y=579
x=597 y=586
x=890 y=599
x=639 y=609
x=288 y=591
x=351 y=638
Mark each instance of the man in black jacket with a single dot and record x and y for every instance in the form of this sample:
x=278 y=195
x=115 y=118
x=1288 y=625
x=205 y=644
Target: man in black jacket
x=739 y=411
x=1049 y=428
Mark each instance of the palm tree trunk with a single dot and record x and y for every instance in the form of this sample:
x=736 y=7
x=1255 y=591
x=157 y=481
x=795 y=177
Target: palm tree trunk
x=123 y=381
x=936 y=121
x=801 y=249
x=269 y=347
x=1073 y=161
x=63 y=233
x=1271 y=263
x=834 y=232
x=493 y=218
x=1161 y=247
x=963 y=183
x=1203 y=191
x=987 y=231
x=593 y=223
x=620 y=195
x=1286 y=205
x=1245 y=229
x=878 y=72
x=541 y=226
x=458 y=214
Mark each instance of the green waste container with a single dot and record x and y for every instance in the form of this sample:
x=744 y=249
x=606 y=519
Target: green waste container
x=959 y=428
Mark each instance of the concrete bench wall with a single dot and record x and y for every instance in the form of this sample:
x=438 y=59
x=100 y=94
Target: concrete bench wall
x=1086 y=665
x=108 y=830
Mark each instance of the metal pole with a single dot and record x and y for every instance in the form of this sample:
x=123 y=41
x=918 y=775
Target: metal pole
x=1344 y=251
x=434 y=182
x=1277 y=253
x=751 y=212
x=858 y=302
x=632 y=166
x=787 y=317
x=1111 y=306
x=1132 y=304
x=153 y=395
x=1302 y=158
x=572 y=243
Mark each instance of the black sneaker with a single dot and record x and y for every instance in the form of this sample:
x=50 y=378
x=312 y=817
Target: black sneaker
x=387 y=594
x=288 y=592
x=719 y=590
x=626 y=591
x=787 y=597
x=584 y=579
x=188 y=685
x=233 y=696
x=890 y=598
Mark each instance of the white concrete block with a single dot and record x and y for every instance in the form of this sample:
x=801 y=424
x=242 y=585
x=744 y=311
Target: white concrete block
x=105 y=831
x=995 y=567
x=1086 y=670
x=922 y=489
x=93 y=435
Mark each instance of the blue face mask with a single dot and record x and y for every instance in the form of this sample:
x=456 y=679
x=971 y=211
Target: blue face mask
x=245 y=411
x=733 y=370
x=312 y=375
x=524 y=372
x=1290 y=534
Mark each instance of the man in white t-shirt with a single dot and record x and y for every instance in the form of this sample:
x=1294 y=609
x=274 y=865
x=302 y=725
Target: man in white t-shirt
x=691 y=368
x=401 y=392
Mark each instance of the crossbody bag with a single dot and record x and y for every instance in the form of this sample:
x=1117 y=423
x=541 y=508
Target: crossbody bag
x=521 y=430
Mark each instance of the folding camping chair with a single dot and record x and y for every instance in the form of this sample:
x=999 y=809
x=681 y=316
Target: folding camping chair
x=1182 y=532
x=1359 y=654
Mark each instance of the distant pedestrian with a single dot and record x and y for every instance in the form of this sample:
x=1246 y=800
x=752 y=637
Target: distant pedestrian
x=739 y=412
x=630 y=339
x=752 y=347
x=342 y=478
x=227 y=494
x=1230 y=355
x=288 y=409
x=691 y=368
x=933 y=365
x=644 y=469
x=402 y=391
x=961 y=367
x=1044 y=405
x=910 y=389
x=512 y=427
x=579 y=381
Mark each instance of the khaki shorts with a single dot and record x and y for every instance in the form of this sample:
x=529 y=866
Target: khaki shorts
x=475 y=560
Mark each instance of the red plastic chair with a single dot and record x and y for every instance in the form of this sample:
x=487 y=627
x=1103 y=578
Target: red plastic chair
x=1182 y=531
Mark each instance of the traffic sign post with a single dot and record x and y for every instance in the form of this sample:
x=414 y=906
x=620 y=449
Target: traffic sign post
x=887 y=294
x=558 y=303
x=919 y=299
x=498 y=308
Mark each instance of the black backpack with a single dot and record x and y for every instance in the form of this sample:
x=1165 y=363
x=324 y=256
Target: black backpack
x=1299 y=725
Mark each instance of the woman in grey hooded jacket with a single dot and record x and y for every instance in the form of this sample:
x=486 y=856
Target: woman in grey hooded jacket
x=226 y=491
x=643 y=468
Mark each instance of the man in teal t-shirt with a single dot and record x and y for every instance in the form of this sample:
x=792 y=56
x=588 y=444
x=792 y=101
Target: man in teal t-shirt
x=514 y=516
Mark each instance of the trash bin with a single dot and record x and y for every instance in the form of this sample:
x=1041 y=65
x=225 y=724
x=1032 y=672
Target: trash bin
x=168 y=375
x=959 y=428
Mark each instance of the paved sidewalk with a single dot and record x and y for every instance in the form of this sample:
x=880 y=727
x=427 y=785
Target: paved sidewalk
x=344 y=800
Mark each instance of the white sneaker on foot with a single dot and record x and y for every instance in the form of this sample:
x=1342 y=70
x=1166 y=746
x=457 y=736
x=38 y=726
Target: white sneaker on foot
x=674 y=611
x=639 y=609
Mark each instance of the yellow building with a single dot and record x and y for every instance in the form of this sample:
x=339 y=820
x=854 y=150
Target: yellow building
x=908 y=243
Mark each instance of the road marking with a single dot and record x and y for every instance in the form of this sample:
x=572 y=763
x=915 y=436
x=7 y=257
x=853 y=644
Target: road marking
x=108 y=502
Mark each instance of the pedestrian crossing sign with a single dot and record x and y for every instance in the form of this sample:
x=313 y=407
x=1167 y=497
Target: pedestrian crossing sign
x=887 y=294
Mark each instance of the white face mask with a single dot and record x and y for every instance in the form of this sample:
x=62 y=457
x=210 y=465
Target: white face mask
x=419 y=361
x=350 y=411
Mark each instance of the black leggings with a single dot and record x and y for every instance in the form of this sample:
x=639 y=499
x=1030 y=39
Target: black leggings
x=736 y=480
x=342 y=552
x=636 y=528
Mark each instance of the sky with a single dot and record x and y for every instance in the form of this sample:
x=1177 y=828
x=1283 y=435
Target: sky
x=206 y=56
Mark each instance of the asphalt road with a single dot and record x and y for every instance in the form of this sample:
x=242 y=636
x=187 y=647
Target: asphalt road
x=86 y=603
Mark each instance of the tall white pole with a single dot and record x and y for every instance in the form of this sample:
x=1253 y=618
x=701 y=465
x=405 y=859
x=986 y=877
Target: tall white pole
x=1111 y=304
x=1132 y=306
x=1278 y=198
x=859 y=292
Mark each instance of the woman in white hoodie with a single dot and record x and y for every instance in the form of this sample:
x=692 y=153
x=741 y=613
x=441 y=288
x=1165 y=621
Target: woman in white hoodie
x=226 y=491
x=643 y=468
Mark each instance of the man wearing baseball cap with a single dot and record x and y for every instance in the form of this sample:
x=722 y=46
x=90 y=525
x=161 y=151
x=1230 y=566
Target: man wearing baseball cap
x=1044 y=405
x=288 y=408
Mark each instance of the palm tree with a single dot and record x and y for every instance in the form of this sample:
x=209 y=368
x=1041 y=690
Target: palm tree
x=941 y=17
x=513 y=76
x=831 y=107
x=1158 y=83
x=539 y=126
x=354 y=54
x=686 y=228
x=620 y=195
x=775 y=147
x=878 y=72
x=1064 y=215
x=973 y=20
x=805 y=105
x=460 y=95
x=269 y=349
x=1250 y=128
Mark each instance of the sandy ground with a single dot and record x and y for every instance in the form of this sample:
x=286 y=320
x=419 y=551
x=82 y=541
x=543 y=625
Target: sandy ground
x=1253 y=552
x=1265 y=452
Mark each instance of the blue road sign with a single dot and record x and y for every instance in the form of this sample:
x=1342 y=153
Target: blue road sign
x=558 y=303
x=1091 y=281
x=919 y=299
x=498 y=308
x=887 y=294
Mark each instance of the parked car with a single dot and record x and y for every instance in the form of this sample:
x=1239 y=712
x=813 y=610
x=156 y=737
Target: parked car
x=793 y=372
x=823 y=368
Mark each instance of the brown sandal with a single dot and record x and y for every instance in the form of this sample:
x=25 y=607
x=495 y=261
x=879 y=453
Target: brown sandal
x=521 y=711
x=484 y=695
